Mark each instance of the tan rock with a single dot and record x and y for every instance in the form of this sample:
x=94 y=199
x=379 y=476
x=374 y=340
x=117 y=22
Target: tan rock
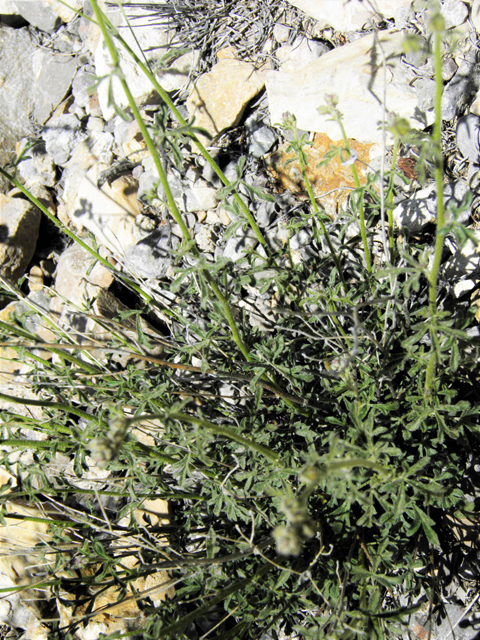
x=35 y=279
x=19 y=228
x=354 y=73
x=134 y=144
x=331 y=183
x=18 y=538
x=227 y=53
x=220 y=96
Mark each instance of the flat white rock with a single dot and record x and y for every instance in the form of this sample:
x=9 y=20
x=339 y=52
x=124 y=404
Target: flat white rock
x=354 y=73
x=347 y=15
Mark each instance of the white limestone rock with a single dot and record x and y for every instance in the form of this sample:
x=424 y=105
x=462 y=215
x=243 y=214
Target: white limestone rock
x=465 y=261
x=47 y=14
x=37 y=167
x=475 y=14
x=16 y=89
x=468 y=137
x=348 y=15
x=108 y=212
x=455 y=13
x=299 y=54
x=347 y=73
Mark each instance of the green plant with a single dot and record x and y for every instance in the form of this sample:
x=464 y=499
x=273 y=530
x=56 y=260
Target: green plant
x=309 y=476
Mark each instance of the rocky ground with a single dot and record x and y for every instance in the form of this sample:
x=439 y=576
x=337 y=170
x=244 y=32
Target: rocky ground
x=245 y=67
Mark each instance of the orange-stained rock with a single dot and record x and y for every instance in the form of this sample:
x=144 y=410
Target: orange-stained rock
x=331 y=182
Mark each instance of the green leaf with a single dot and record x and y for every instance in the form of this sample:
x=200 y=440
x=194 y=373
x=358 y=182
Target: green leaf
x=427 y=525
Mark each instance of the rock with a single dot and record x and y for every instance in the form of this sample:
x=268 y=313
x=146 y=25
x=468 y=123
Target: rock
x=109 y=212
x=261 y=137
x=220 y=96
x=7 y=7
x=264 y=211
x=347 y=15
x=96 y=148
x=301 y=239
x=417 y=56
x=37 y=167
x=331 y=183
x=152 y=41
x=22 y=565
x=475 y=14
x=61 y=136
x=421 y=208
x=204 y=238
x=200 y=198
x=53 y=76
x=462 y=87
x=464 y=261
x=84 y=80
x=19 y=228
x=133 y=143
x=237 y=245
x=454 y=12
x=281 y=32
x=467 y=137
x=417 y=211
x=297 y=55
x=176 y=76
x=76 y=271
x=426 y=91
x=16 y=89
x=347 y=73
x=39 y=14
x=35 y=279
x=449 y=69
x=152 y=256
x=65 y=13
x=261 y=141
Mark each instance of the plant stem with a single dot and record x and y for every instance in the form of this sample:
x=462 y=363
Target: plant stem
x=437 y=25
x=163 y=179
x=226 y=432
x=208 y=157
x=389 y=201
x=316 y=208
x=361 y=208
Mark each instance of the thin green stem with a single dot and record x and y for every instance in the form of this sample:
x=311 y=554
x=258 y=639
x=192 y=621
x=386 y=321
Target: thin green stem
x=389 y=201
x=52 y=405
x=226 y=432
x=168 y=101
x=437 y=25
x=361 y=205
x=326 y=235
x=163 y=179
x=221 y=595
